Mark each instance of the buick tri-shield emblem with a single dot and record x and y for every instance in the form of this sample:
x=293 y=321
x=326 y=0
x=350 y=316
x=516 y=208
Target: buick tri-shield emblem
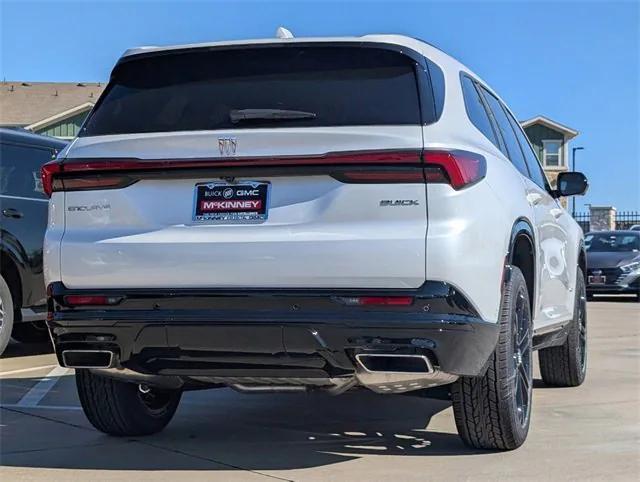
x=227 y=145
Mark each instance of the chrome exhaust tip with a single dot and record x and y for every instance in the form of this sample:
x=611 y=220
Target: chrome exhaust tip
x=390 y=363
x=391 y=373
x=88 y=358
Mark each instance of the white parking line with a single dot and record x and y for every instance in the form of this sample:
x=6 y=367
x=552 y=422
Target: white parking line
x=24 y=370
x=40 y=389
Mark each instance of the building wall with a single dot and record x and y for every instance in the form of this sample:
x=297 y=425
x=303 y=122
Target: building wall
x=66 y=129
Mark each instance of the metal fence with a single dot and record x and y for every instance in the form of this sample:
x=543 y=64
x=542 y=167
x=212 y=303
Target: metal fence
x=583 y=219
x=624 y=219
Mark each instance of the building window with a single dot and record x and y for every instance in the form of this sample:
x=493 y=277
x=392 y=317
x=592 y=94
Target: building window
x=552 y=153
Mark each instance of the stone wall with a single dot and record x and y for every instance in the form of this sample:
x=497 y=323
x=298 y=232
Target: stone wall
x=603 y=218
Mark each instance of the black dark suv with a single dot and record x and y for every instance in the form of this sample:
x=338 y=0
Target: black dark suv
x=22 y=225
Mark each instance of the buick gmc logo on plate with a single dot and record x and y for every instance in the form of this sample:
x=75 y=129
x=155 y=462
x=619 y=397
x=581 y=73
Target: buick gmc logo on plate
x=223 y=202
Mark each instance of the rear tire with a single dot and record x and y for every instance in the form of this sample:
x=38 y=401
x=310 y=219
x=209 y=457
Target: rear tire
x=493 y=411
x=6 y=314
x=566 y=365
x=30 y=332
x=121 y=409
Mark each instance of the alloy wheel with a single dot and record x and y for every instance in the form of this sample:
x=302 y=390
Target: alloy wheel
x=1 y=313
x=155 y=400
x=582 y=332
x=522 y=356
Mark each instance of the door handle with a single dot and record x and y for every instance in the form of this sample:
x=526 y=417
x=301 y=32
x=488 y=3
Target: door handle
x=534 y=198
x=11 y=213
x=557 y=212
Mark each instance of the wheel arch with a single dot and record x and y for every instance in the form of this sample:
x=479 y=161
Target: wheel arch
x=582 y=260
x=10 y=271
x=522 y=254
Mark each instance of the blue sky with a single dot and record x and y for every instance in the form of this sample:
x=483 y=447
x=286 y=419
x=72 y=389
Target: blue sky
x=576 y=61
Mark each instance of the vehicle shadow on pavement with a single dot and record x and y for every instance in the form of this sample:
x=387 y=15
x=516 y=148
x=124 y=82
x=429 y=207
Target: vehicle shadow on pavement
x=15 y=349
x=614 y=299
x=224 y=430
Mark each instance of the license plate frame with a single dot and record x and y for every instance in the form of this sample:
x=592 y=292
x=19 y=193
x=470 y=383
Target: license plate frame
x=223 y=202
x=597 y=279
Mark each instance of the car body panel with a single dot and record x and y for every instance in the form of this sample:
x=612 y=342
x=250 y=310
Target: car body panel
x=319 y=232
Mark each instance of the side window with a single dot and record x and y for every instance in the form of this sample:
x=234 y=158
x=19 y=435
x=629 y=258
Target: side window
x=20 y=170
x=475 y=110
x=537 y=174
x=513 y=147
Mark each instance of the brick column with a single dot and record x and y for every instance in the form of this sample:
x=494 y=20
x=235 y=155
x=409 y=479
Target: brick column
x=603 y=218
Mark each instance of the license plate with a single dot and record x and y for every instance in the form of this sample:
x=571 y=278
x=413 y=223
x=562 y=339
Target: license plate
x=597 y=280
x=225 y=202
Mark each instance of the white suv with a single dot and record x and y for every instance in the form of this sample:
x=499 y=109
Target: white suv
x=310 y=214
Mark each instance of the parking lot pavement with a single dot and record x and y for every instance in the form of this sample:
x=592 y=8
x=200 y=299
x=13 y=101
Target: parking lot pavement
x=590 y=432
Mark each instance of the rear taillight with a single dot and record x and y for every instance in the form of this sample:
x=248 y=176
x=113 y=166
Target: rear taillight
x=59 y=177
x=91 y=300
x=457 y=168
x=47 y=172
x=86 y=183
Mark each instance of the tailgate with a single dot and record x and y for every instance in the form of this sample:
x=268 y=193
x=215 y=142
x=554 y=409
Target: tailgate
x=164 y=125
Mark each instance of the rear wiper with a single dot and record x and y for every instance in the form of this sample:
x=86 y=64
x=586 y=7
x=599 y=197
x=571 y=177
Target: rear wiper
x=240 y=115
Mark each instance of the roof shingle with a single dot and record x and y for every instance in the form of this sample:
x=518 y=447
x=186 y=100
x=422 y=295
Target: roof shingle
x=24 y=103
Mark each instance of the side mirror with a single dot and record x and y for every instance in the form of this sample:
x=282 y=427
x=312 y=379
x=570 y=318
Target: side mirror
x=571 y=184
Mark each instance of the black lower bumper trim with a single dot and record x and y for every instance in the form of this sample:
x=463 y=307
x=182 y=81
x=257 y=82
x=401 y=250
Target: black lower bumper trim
x=280 y=333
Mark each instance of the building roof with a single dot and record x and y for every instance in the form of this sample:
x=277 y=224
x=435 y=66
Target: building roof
x=28 y=103
x=567 y=131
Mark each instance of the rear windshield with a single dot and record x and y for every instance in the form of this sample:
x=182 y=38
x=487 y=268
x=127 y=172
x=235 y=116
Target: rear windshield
x=198 y=89
x=610 y=242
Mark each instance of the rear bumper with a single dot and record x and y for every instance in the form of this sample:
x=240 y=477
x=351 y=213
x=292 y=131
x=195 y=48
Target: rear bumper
x=616 y=281
x=271 y=333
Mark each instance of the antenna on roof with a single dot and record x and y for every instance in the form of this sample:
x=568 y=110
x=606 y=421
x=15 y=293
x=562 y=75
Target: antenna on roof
x=282 y=32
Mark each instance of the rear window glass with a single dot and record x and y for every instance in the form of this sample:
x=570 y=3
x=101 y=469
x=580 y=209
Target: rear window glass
x=197 y=90
x=612 y=242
